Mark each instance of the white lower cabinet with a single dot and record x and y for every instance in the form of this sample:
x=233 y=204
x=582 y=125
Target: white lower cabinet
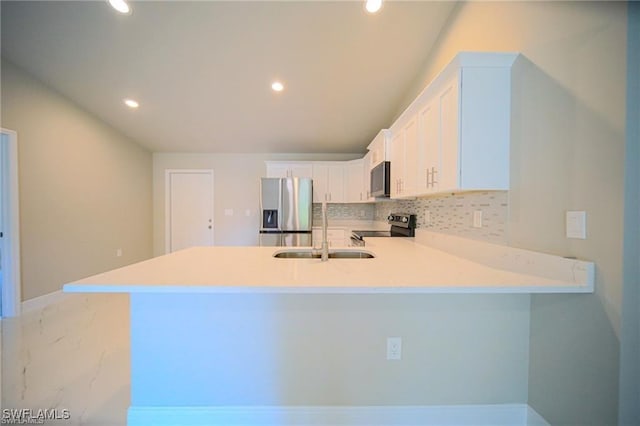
x=336 y=237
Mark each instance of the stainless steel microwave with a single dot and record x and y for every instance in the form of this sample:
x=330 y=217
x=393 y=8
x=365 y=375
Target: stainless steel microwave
x=380 y=180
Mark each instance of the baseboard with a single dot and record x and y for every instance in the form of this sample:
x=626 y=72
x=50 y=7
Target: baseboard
x=446 y=415
x=534 y=418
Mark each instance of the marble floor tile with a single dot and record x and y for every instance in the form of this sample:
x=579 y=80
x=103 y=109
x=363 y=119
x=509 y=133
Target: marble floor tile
x=71 y=355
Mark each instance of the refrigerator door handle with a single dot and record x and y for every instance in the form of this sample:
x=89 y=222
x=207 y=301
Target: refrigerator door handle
x=280 y=206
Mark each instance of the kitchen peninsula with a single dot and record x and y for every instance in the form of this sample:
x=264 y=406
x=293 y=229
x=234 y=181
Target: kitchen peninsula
x=399 y=266
x=213 y=328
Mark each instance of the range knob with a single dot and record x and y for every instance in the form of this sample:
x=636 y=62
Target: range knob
x=390 y=217
x=405 y=219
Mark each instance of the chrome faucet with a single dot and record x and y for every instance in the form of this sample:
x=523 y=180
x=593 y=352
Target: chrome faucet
x=325 y=244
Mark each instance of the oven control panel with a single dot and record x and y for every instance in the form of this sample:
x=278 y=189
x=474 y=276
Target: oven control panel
x=402 y=220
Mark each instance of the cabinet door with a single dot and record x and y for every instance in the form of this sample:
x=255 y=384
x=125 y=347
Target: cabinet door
x=336 y=237
x=449 y=134
x=316 y=237
x=354 y=182
x=335 y=182
x=378 y=148
x=397 y=162
x=277 y=170
x=366 y=178
x=429 y=144
x=289 y=169
x=302 y=170
x=408 y=184
x=404 y=159
x=319 y=182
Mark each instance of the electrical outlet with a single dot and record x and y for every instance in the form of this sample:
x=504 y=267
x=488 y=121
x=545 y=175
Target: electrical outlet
x=119 y=252
x=427 y=217
x=394 y=348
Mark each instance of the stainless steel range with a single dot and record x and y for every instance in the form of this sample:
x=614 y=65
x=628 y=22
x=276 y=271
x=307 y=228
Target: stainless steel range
x=402 y=225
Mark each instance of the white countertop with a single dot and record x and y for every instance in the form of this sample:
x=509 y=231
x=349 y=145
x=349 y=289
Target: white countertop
x=400 y=266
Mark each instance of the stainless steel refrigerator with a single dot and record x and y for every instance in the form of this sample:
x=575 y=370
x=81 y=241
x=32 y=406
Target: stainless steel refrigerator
x=286 y=211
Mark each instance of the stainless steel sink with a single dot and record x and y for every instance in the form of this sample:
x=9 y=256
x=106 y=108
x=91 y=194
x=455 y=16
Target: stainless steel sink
x=314 y=254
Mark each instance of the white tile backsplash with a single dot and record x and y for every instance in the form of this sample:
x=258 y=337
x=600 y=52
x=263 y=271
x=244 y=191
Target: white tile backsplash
x=354 y=211
x=453 y=214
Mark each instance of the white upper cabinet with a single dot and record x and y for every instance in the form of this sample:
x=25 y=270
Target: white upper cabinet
x=429 y=164
x=356 y=187
x=378 y=148
x=289 y=169
x=463 y=130
x=328 y=181
x=404 y=156
x=366 y=177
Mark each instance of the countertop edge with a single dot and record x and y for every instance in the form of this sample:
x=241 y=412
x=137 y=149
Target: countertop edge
x=196 y=289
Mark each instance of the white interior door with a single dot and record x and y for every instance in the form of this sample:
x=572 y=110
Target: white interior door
x=189 y=195
x=9 y=225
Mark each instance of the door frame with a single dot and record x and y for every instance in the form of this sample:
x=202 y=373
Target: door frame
x=10 y=225
x=167 y=203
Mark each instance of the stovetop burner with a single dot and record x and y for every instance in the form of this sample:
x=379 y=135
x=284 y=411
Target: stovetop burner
x=402 y=225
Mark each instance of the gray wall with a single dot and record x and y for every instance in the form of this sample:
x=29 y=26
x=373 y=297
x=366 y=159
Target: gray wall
x=630 y=329
x=85 y=189
x=329 y=349
x=236 y=186
x=567 y=154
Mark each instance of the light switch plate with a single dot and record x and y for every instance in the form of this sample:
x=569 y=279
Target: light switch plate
x=577 y=224
x=228 y=212
x=477 y=219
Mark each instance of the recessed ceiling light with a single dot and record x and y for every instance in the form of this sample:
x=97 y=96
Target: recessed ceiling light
x=277 y=86
x=121 y=6
x=131 y=103
x=373 y=6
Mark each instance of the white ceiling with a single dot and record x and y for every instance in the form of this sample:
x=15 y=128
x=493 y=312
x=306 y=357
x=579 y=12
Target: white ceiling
x=202 y=70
